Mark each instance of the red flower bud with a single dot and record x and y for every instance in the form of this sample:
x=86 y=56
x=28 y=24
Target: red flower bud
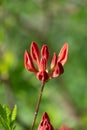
x=45 y=123
x=54 y=60
x=42 y=66
x=65 y=128
x=43 y=73
x=43 y=76
x=28 y=62
x=58 y=70
x=45 y=116
x=35 y=52
x=63 y=54
x=45 y=52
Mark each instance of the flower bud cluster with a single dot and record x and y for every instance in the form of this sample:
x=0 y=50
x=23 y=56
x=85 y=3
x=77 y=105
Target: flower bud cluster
x=40 y=58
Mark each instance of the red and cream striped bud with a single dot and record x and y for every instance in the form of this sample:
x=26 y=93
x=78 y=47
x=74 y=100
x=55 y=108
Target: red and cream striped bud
x=54 y=61
x=58 y=70
x=45 y=52
x=35 y=52
x=63 y=54
x=45 y=123
x=28 y=62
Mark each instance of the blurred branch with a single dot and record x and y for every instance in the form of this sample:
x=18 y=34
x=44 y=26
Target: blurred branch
x=37 y=106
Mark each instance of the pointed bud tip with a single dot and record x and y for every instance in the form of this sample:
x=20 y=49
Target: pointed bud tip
x=45 y=123
x=25 y=52
x=33 y=43
x=63 y=54
x=42 y=66
x=65 y=45
x=35 y=52
x=45 y=51
x=28 y=63
x=54 y=60
x=45 y=115
x=26 y=55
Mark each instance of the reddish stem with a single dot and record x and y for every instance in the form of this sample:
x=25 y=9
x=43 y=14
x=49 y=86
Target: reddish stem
x=37 y=106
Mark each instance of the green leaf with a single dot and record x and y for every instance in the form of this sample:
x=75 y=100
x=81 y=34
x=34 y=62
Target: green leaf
x=8 y=113
x=7 y=117
x=14 y=113
x=3 y=113
x=4 y=124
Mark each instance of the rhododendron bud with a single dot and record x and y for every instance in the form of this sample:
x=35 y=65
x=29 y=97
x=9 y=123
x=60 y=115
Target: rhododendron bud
x=45 y=123
x=43 y=73
x=35 y=52
x=58 y=70
x=54 y=61
x=64 y=127
x=28 y=62
x=45 y=52
x=45 y=116
x=63 y=54
x=42 y=66
x=43 y=76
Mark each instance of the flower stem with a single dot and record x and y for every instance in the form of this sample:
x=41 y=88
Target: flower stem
x=37 y=106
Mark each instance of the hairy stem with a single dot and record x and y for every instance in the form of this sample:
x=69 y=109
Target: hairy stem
x=37 y=106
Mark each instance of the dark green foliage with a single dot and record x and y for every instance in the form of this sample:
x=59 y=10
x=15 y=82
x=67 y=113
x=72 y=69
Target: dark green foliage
x=7 y=117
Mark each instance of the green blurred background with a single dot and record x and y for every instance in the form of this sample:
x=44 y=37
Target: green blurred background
x=53 y=22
